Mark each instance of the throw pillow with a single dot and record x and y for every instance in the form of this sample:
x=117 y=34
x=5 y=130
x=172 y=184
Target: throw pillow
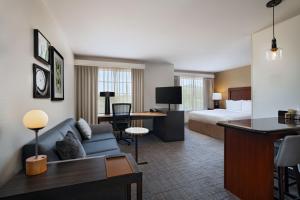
x=84 y=128
x=70 y=147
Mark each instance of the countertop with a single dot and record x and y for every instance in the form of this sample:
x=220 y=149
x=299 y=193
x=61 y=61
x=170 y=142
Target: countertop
x=263 y=125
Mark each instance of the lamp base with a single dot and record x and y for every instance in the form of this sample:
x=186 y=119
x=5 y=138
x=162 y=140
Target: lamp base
x=35 y=166
x=216 y=104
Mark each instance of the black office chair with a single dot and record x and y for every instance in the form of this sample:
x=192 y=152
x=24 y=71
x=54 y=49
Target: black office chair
x=121 y=120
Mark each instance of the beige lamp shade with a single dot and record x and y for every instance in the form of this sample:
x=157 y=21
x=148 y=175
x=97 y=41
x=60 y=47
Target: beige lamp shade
x=35 y=119
x=217 y=96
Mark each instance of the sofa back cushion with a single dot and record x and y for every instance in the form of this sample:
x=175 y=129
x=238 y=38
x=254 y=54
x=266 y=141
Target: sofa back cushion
x=70 y=126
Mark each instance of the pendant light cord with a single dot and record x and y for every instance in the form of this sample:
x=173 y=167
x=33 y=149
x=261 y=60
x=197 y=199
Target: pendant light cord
x=273 y=21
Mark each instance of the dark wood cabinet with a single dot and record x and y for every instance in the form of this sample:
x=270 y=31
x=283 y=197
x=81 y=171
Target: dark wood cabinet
x=171 y=127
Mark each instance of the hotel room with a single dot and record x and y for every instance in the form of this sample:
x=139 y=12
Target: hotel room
x=149 y=99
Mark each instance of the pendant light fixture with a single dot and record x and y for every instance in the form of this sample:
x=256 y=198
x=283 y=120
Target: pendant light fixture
x=275 y=53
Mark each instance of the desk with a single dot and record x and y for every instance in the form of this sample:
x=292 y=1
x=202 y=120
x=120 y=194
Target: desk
x=91 y=178
x=249 y=155
x=134 y=116
x=167 y=125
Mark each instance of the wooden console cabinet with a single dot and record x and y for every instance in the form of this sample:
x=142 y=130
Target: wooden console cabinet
x=171 y=127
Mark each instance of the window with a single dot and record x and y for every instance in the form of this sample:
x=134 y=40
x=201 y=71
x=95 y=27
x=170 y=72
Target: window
x=192 y=93
x=116 y=80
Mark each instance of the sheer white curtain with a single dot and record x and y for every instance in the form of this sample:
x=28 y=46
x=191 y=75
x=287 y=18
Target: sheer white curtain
x=192 y=93
x=116 y=80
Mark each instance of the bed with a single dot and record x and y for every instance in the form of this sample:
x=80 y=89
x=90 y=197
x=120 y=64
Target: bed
x=205 y=121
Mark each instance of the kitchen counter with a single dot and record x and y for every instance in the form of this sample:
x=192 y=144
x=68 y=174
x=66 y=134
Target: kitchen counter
x=249 y=155
x=263 y=125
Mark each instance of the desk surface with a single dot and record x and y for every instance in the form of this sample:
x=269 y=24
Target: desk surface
x=263 y=125
x=61 y=174
x=137 y=114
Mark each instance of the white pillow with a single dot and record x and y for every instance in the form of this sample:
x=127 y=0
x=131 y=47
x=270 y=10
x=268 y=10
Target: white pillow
x=235 y=106
x=84 y=129
x=247 y=106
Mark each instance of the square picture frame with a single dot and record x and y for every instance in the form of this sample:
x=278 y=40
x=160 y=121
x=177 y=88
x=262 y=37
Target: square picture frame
x=41 y=47
x=57 y=76
x=41 y=82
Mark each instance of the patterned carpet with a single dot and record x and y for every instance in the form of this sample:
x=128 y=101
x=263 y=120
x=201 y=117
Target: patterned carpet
x=192 y=169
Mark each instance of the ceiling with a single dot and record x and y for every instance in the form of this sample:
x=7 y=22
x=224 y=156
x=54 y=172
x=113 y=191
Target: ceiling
x=201 y=35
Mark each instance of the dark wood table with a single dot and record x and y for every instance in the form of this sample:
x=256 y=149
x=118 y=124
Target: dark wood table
x=249 y=155
x=91 y=178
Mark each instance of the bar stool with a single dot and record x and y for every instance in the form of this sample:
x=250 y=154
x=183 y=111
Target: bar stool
x=288 y=156
x=287 y=183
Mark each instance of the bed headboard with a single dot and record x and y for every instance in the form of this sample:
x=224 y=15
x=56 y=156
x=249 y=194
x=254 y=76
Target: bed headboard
x=239 y=93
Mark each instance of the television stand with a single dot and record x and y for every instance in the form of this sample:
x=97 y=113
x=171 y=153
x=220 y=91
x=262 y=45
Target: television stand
x=171 y=127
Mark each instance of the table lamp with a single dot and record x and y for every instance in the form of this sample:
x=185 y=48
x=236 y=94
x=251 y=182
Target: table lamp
x=107 y=95
x=217 y=97
x=35 y=120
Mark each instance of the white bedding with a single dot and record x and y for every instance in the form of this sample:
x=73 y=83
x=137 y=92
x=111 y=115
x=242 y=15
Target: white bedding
x=213 y=116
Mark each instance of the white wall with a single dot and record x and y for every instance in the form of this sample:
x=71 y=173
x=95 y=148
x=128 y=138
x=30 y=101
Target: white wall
x=156 y=75
x=18 y=18
x=275 y=84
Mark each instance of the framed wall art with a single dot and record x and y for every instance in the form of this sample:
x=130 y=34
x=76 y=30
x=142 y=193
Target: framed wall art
x=41 y=47
x=57 y=75
x=41 y=82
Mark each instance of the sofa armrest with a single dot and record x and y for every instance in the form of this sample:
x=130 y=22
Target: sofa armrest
x=102 y=128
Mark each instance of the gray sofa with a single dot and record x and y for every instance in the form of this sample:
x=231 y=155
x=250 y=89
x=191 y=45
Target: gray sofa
x=103 y=141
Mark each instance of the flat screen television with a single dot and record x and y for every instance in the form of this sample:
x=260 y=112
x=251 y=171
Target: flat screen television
x=168 y=95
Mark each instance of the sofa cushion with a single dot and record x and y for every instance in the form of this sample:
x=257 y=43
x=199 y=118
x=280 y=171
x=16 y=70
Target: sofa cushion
x=100 y=136
x=99 y=146
x=84 y=129
x=64 y=129
x=70 y=147
x=104 y=127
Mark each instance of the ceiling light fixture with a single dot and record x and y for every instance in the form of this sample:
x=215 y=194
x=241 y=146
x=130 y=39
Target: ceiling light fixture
x=274 y=53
